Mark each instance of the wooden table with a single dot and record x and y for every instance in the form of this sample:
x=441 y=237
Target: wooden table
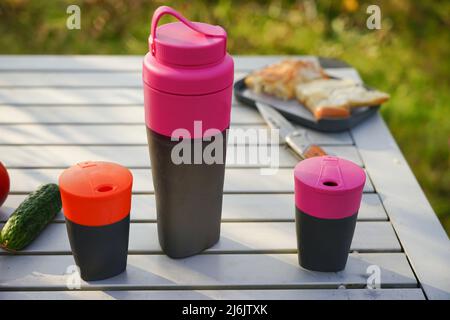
x=58 y=110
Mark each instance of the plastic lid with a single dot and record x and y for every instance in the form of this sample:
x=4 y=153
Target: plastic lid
x=96 y=193
x=186 y=43
x=328 y=187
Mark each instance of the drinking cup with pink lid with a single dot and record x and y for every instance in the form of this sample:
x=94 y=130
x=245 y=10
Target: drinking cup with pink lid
x=328 y=193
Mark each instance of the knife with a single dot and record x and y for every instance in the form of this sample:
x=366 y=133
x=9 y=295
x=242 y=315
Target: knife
x=296 y=139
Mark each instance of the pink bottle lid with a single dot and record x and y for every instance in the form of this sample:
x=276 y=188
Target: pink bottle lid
x=328 y=187
x=188 y=77
x=186 y=43
x=187 y=58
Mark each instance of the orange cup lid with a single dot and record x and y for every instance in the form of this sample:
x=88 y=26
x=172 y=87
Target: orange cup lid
x=96 y=193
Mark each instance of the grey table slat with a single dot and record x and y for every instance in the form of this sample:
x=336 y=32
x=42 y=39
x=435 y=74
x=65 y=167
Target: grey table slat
x=71 y=63
x=138 y=157
x=268 y=294
x=133 y=114
x=236 y=207
x=207 y=271
x=58 y=96
x=54 y=96
x=236 y=180
x=113 y=96
x=244 y=237
x=130 y=134
x=119 y=79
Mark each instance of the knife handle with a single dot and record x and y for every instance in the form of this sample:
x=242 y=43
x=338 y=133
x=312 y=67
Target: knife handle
x=313 y=151
x=300 y=144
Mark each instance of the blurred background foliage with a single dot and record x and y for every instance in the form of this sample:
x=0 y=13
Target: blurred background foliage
x=409 y=57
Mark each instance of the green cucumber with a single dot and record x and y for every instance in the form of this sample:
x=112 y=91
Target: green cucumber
x=31 y=217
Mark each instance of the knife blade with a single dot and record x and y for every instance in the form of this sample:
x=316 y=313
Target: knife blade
x=296 y=139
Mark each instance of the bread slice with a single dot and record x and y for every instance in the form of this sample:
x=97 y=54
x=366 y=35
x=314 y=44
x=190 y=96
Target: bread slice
x=359 y=96
x=335 y=98
x=367 y=98
x=280 y=79
x=327 y=108
x=307 y=82
x=321 y=87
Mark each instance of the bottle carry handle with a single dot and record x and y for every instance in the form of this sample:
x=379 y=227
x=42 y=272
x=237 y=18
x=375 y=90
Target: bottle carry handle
x=168 y=10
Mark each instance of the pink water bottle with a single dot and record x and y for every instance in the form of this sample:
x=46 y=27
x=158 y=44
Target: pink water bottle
x=188 y=78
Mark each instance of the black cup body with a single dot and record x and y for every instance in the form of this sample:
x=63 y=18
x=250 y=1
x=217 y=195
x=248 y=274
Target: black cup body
x=99 y=251
x=323 y=244
x=188 y=196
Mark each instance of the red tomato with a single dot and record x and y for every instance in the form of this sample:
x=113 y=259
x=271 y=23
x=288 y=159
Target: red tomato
x=4 y=183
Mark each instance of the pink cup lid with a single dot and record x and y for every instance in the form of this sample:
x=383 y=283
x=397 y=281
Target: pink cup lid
x=328 y=187
x=186 y=43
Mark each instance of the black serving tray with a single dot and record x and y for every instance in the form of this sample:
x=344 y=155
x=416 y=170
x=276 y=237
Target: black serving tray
x=297 y=113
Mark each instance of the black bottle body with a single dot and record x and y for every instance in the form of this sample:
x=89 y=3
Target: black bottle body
x=188 y=194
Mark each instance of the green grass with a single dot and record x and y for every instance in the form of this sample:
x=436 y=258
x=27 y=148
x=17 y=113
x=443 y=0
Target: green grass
x=409 y=57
